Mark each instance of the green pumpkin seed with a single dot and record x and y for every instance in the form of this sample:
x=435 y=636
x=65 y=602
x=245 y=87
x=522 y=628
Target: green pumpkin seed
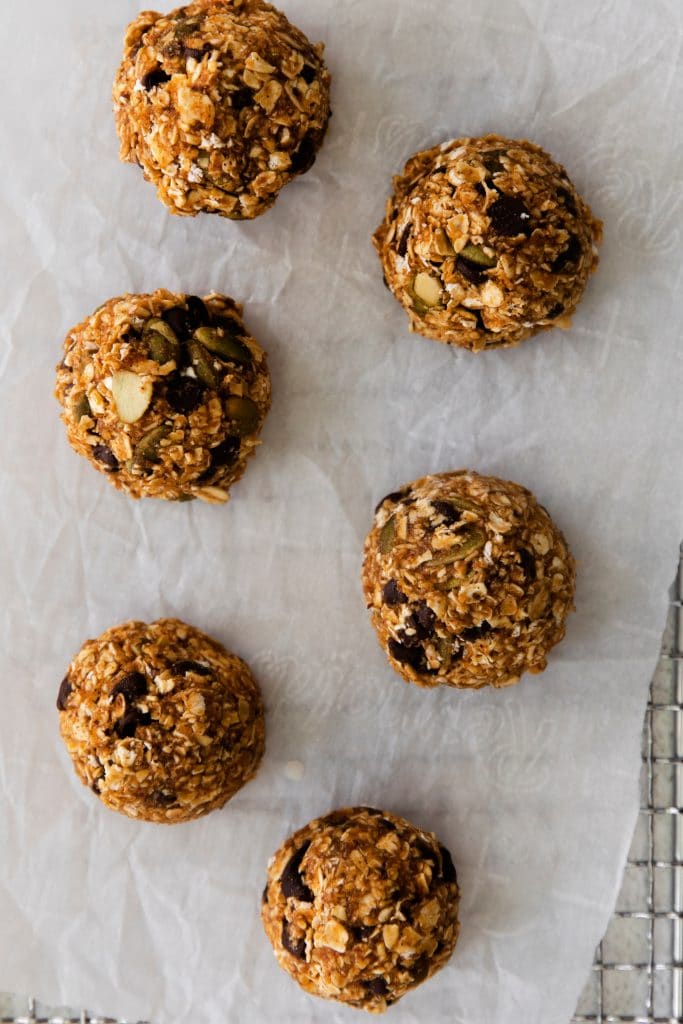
x=243 y=414
x=463 y=504
x=147 y=448
x=162 y=350
x=155 y=325
x=81 y=407
x=445 y=649
x=387 y=535
x=203 y=365
x=222 y=344
x=475 y=254
x=472 y=540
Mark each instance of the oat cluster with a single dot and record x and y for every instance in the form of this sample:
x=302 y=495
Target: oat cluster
x=486 y=241
x=468 y=581
x=165 y=394
x=221 y=103
x=160 y=721
x=361 y=906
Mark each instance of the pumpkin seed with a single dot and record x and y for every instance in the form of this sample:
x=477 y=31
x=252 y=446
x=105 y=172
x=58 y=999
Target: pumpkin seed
x=427 y=289
x=472 y=540
x=147 y=448
x=202 y=363
x=81 y=407
x=243 y=414
x=222 y=344
x=387 y=535
x=475 y=254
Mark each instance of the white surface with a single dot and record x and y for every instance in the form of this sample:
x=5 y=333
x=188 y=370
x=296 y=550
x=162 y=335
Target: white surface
x=534 y=789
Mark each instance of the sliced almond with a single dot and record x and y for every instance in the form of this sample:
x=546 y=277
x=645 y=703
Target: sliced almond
x=427 y=289
x=132 y=395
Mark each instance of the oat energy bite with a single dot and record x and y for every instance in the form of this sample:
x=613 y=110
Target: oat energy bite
x=160 y=721
x=486 y=242
x=361 y=906
x=221 y=103
x=166 y=394
x=468 y=581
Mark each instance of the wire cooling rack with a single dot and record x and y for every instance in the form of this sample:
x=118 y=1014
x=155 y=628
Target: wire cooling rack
x=637 y=975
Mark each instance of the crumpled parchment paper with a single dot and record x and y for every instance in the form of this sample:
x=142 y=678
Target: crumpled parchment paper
x=534 y=788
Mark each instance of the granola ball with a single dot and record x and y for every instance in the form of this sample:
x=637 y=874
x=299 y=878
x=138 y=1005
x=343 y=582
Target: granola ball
x=161 y=722
x=486 y=242
x=468 y=580
x=361 y=906
x=165 y=394
x=221 y=103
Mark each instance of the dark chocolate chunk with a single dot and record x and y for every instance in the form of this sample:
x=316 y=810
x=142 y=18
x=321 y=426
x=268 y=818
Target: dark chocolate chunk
x=177 y=319
x=472 y=272
x=406 y=654
x=181 y=668
x=308 y=74
x=450 y=513
x=392 y=593
x=556 y=311
x=193 y=51
x=403 y=241
x=197 y=313
x=419 y=970
x=297 y=947
x=291 y=881
x=510 y=216
x=448 y=872
x=492 y=162
x=132 y=686
x=162 y=799
x=264 y=896
x=393 y=498
x=65 y=689
x=304 y=156
x=131 y=721
x=106 y=457
x=377 y=987
x=422 y=621
x=184 y=394
x=572 y=254
x=224 y=454
x=474 y=632
x=568 y=200
x=361 y=932
x=480 y=189
x=154 y=78
x=241 y=98
x=528 y=563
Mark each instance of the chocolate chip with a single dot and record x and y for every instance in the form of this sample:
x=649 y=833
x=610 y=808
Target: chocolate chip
x=422 y=621
x=304 y=156
x=474 y=632
x=361 y=932
x=419 y=970
x=571 y=254
x=510 y=216
x=241 y=98
x=492 y=162
x=133 y=686
x=450 y=513
x=197 y=313
x=377 y=987
x=264 y=896
x=385 y=282
x=425 y=850
x=556 y=311
x=480 y=189
x=568 y=200
x=177 y=319
x=224 y=454
x=291 y=882
x=131 y=721
x=308 y=74
x=96 y=786
x=181 y=668
x=405 y=654
x=192 y=51
x=297 y=947
x=528 y=563
x=470 y=271
x=184 y=394
x=65 y=689
x=393 y=498
x=403 y=242
x=448 y=872
x=106 y=456
x=392 y=593
x=154 y=78
x=162 y=799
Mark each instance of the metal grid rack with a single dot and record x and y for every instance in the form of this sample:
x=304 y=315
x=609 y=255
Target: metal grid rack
x=637 y=975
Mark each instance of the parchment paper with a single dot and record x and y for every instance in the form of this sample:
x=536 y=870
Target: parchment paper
x=533 y=789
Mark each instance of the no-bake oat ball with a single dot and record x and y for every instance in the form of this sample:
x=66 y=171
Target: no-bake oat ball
x=160 y=721
x=486 y=242
x=361 y=906
x=221 y=103
x=468 y=580
x=166 y=394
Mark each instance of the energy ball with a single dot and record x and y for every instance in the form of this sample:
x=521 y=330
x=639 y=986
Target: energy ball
x=221 y=103
x=361 y=906
x=486 y=242
x=165 y=394
x=160 y=721
x=468 y=580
